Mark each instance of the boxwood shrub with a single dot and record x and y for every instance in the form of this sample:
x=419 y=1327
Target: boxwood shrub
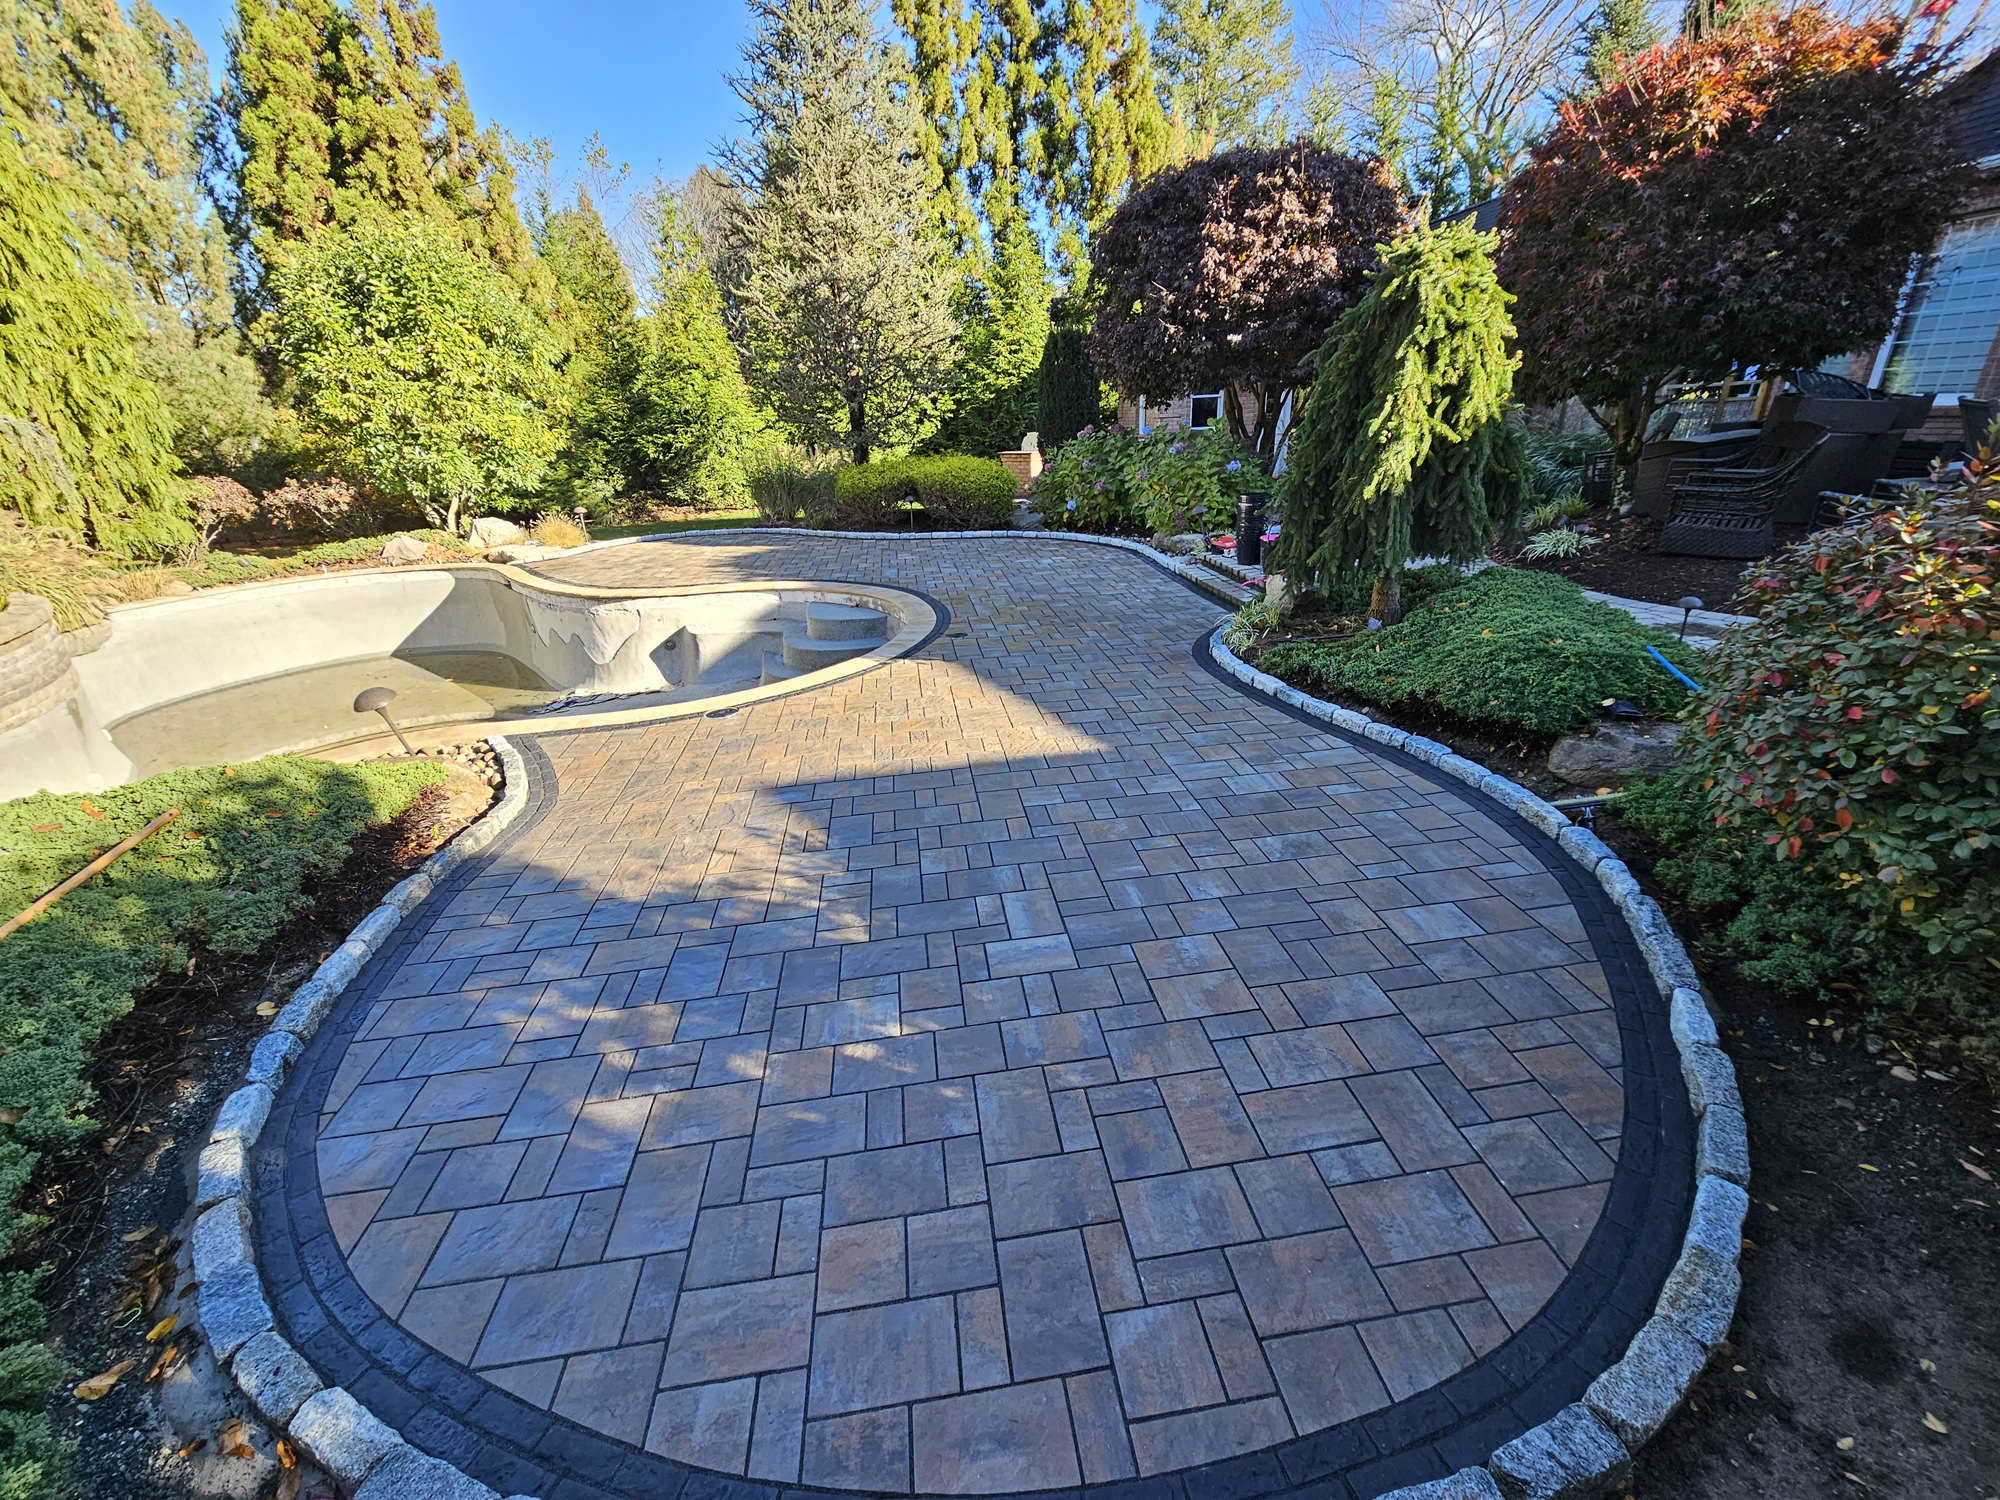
x=1505 y=646
x=225 y=875
x=957 y=492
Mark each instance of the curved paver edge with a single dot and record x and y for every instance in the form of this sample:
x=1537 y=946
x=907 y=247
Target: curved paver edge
x=341 y=1434
x=1588 y=1445
x=1584 y=1447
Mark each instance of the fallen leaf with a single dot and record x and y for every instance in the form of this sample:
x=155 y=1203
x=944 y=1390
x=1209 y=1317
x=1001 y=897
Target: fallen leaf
x=99 y=1386
x=92 y=812
x=288 y=1486
x=274 y=814
x=162 y=1328
x=1934 y=1424
x=232 y=1432
x=1751 y=1394
x=193 y=1446
x=266 y=1008
x=287 y=1455
x=1899 y=1071
x=1866 y=1168
x=141 y=1234
x=1845 y=1445
x=45 y=828
x=1980 y=1172
x=1929 y=1367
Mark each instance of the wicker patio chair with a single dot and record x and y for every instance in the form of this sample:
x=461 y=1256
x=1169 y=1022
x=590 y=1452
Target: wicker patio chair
x=1726 y=511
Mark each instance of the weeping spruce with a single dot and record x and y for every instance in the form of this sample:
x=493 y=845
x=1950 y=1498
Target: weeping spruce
x=1402 y=450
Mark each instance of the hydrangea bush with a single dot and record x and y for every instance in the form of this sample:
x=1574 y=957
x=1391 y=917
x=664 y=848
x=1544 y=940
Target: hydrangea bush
x=1170 y=480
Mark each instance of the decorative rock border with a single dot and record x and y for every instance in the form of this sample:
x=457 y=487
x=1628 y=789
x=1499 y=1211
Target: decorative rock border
x=363 y=1453
x=1583 y=1450
x=1587 y=1447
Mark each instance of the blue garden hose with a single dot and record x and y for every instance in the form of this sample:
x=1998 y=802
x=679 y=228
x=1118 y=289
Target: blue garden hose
x=1689 y=682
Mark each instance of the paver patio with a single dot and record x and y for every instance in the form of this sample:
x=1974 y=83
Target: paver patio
x=1033 y=1063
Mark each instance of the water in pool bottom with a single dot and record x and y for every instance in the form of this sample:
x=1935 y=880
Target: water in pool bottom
x=314 y=708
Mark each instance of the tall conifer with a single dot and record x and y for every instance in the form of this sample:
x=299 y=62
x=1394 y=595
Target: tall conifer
x=1403 y=450
x=67 y=365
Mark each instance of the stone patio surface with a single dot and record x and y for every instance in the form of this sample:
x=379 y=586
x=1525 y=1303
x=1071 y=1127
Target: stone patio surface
x=1031 y=1063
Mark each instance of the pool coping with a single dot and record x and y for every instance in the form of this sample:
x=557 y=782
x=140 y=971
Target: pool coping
x=1584 y=1447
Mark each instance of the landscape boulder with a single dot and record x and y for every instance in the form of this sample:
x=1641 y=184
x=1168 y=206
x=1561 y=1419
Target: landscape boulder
x=491 y=531
x=403 y=548
x=1612 y=752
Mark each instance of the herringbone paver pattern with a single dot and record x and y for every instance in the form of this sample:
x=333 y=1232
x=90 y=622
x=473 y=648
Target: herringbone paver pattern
x=1026 y=1064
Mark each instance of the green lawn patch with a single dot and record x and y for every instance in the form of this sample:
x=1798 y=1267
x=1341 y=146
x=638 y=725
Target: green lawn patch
x=224 y=876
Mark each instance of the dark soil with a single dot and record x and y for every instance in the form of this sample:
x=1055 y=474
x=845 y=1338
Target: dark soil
x=1871 y=1264
x=1628 y=565
x=115 y=1204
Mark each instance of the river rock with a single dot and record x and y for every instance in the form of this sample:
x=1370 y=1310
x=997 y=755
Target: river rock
x=1614 y=751
x=491 y=531
x=403 y=548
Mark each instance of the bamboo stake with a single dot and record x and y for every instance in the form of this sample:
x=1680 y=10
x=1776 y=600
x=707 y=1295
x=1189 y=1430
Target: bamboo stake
x=102 y=862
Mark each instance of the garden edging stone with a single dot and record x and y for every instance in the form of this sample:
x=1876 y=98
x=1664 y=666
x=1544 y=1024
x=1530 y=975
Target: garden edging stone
x=341 y=1434
x=1586 y=1449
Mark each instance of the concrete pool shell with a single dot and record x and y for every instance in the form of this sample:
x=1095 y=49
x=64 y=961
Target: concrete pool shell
x=229 y=674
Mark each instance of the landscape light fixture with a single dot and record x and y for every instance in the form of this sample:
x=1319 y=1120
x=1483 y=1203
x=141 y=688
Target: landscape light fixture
x=1687 y=607
x=376 y=700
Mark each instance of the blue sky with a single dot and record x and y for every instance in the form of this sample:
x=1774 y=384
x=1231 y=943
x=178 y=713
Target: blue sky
x=645 y=76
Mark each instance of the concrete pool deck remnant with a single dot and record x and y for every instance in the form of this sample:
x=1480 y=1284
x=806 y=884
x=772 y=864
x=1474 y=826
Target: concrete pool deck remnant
x=1032 y=1065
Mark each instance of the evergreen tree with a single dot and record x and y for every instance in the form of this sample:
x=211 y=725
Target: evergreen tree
x=1102 y=125
x=596 y=317
x=115 y=111
x=1225 y=69
x=1000 y=347
x=841 y=298
x=346 y=112
x=67 y=366
x=1066 y=385
x=689 y=416
x=1618 y=29
x=1403 y=450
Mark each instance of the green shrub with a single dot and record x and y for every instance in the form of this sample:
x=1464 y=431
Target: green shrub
x=1505 y=646
x=957 y=492
x=1851 y=729
x=226 y=874
x=1172 y=480
x=787 y=483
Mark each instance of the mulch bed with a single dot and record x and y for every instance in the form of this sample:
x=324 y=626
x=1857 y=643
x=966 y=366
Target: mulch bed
x=1628 y=565
x=158 y=1074
x=1871 y=1259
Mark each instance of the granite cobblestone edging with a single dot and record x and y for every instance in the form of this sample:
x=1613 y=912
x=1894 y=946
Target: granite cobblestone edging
x=1587 y=1447
x=357 y=1448
x=1578 y=1452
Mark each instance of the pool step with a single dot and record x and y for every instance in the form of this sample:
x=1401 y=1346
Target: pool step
x=839 y=622
x=807 y=653
x=775 y=669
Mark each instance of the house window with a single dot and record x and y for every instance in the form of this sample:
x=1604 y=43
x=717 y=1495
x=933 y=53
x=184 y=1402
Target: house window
x=1204 y=411
x=1954 y=313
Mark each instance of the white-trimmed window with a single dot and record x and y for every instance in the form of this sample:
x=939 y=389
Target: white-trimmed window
x=1204 y=411
x=1954 y=313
